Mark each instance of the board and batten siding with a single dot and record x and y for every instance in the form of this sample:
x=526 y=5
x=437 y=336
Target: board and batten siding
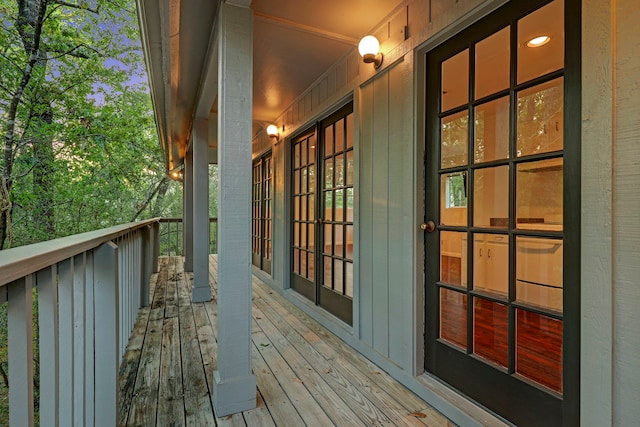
x=387 y=227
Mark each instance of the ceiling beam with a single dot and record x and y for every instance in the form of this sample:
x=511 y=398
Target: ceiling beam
x=307 y=28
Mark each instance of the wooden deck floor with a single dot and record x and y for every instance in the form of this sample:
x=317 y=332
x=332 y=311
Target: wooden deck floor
x=305 y=374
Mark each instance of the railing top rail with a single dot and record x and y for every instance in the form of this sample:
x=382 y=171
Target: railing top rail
x=23 y=260
x=179 y=219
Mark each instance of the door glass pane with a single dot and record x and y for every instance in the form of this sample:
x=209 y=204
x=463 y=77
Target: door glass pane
x=492 y=64
x=339 y=145
x=303 y=185
x=312 y=178
x=328 y=239
x=328 y=269
x=349 y=205
x=491 y=131
x=338 y=283
x=338 y=238
x=539 y=188
x=539 y=349
x=491 y=264
x=349 y=242
x=454 y=140
x=350 y=132
x=455 y=81
x=328 y=205
x=453 y=317
x=328 y=173
x=310 y=270
x=348 y=279
x=303 y=153
x=296 y=155
x=311 y=237
x=491 y=331
x=540 y=118
x=349 y=167
x=536 y=55
x=451 y=257
x=539 y=272
x=491 y=197
x=328 y=141
x=312 y=207
x=303 y=236
x=339 y=211
x=453 y=198
x=339 y=170
x=296 y=261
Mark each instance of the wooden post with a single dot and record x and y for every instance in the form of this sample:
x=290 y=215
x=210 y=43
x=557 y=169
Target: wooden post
x=201 y=290
x=234 y=385
x=105 y=275
x=47 y=285
x=187 y=212
x=20 y=331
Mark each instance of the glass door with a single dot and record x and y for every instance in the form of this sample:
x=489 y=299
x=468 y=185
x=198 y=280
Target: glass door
x=262 y=212
x=322 y=250
x=498 y=270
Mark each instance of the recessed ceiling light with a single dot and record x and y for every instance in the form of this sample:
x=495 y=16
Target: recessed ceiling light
x=538 y=41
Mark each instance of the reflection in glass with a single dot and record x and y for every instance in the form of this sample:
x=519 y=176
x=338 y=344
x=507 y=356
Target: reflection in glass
x=349 y=242
x=539 y=349
x=328 y=239
x=328 y=141
x=339 y=126
x=453 y=317
x=453 y=198
x=328 y=282
x=339 y=212
x=537 y=61
x=451 y=256
x=310 y=270
x=312 y=178
x=539 y=189
x=349 y=167
x=540 y=118
x=492 y=64
x=339 y=170
x=491 y=197
x=328 y=205
x=296 y=155
x=348 y=280
x=296 y=261
x=350 y=132
x=328 y=173
x=455 y=81
x=312 y=207
x=338 y=231
x=338 y=277
x=303 y=153
x=491 y=331
x=491 y=264
x=454 y=140
x=539 y=272
x=491 y=131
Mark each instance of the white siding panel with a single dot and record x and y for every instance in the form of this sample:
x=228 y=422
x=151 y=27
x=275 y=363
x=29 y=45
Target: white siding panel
x=365 y=261
x=380 y=205
x=626 y=207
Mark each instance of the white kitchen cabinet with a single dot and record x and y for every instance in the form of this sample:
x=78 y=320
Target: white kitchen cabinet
x=490 y=263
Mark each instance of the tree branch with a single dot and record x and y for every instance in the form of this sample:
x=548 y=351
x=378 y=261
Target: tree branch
x=83 y=6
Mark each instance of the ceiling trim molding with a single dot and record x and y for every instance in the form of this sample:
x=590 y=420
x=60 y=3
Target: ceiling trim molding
x=306 y=28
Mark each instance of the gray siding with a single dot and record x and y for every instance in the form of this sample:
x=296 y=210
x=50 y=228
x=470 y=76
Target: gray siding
x=387 y=227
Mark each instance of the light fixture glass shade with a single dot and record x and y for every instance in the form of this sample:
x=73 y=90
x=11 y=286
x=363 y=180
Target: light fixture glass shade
x=272 y=130
x=369 y=45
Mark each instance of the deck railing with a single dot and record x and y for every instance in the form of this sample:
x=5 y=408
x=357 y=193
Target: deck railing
x=171 y=240
x=89 y=288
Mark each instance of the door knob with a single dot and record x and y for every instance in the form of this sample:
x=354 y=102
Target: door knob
x=428 y=226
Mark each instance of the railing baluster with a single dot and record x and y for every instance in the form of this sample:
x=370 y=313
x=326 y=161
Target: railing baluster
x=47 y=287
x=79 y=283
x=65 y=341
x=89 y=344
x=20 y=325
x=105 y=272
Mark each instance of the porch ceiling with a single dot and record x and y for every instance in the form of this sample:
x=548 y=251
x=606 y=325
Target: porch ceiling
x=294 y=43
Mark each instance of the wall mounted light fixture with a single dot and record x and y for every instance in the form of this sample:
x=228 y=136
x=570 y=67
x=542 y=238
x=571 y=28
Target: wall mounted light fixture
x=369 y=48
x=272 y=131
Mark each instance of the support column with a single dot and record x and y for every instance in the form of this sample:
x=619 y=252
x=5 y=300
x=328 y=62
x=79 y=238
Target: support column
x=234 y=385
x=200 y=158
x=187 y=211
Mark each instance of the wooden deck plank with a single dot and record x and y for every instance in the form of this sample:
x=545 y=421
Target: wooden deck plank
x=366 y=410
x=145 y=395
x=305 y=374
x=330 y=399
x=197 y=400
x=298 y=394
x=332 y=348
x=171 y=398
